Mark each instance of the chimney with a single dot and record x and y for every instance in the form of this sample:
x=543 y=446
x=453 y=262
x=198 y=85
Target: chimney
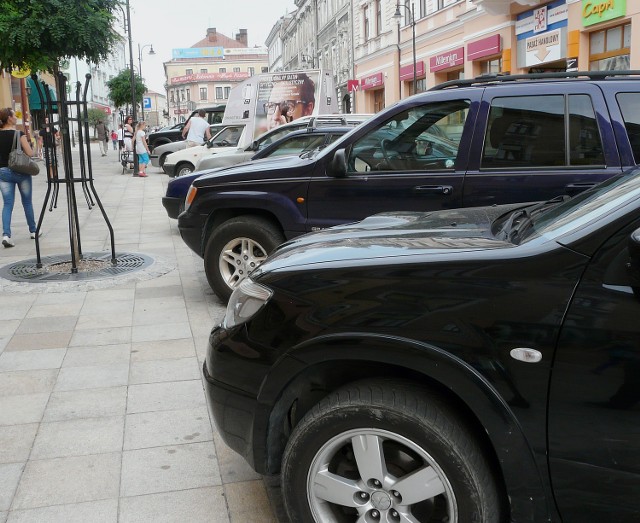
x=212 y=36
x=242 y=37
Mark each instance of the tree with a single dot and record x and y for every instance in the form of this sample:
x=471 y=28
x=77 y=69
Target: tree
x=94 y=116
x=37 y=35
x=120 y=88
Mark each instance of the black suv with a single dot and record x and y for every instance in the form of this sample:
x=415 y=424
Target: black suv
x=459 y=365
x=478 y=142
x=174 y=134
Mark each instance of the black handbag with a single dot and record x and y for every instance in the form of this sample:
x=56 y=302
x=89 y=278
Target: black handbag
x=19 y=161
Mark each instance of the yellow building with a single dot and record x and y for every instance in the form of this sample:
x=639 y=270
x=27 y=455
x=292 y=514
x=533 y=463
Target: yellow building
x=204 y=74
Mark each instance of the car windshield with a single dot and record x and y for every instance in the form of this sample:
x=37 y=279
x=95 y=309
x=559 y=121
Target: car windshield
x=582 y=209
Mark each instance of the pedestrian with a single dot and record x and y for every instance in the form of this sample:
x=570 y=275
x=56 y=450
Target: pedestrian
x=197 y=129
x=142 y=149
x=114 y=139
x=50 y=138
x=9 y=179
x=127 y=134
x=120 y=138
x=103 y=137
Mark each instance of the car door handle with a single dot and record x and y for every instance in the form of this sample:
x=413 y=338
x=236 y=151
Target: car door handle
x=575 y=188
x=434 y=189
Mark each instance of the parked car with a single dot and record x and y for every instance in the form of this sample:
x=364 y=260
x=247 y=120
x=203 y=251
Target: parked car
x=295 y=142
x=508 y=139
x=160 y=153
x=182 y=162
x=174 y=134
x=224 y=158
x=458 y=365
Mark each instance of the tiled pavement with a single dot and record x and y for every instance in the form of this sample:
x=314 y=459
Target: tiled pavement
x=103 y=416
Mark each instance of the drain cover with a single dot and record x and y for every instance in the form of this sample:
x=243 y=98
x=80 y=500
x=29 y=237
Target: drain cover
x=93 y=266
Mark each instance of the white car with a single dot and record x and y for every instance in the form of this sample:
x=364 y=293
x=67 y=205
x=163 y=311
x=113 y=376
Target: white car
x=183 y=162
x=226 y=157
x=160 y=153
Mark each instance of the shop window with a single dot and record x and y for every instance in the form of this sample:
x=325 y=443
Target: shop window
x=610 y=49
x=203 y=93
x=218 y=93
x=491 y=66
x=630 y=108
x=188 y=71
x=531 y=131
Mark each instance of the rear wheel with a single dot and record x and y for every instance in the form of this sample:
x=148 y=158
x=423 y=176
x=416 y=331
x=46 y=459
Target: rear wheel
x=162 y=159
x=235 y=248
x=383 y=451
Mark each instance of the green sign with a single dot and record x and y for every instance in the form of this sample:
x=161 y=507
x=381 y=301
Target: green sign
x=596 y=11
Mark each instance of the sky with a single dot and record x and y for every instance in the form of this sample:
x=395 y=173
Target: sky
x=175 y=24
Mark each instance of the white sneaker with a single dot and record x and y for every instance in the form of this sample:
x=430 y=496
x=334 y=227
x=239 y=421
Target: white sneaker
x=6 y=241
x=33 y=235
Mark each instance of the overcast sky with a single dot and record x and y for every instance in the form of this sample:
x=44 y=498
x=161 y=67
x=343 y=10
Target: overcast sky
x=176 y=24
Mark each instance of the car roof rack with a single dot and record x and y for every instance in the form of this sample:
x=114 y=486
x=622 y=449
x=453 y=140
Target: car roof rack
x=487 y=79
x=324 y=120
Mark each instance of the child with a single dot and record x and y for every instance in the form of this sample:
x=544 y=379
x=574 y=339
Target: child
x=142 y=149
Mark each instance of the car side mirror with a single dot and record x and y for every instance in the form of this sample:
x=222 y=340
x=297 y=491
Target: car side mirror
x=209 y=144
x=338 y=165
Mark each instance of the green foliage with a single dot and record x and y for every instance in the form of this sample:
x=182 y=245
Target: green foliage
x=38 y=34
x=95 y=115
x=120 y=88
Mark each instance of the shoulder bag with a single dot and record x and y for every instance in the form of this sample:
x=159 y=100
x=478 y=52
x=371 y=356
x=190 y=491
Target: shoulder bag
x=19 y=161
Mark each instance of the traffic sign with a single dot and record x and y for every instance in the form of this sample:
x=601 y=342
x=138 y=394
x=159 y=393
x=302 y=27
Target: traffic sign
x=146 y=102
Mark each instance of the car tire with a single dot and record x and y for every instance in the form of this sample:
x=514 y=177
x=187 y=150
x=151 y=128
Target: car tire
x=386 y=451
x=235 y=248
x=183 y=169
x=162 y=159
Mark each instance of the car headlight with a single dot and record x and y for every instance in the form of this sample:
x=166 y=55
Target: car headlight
x=247 y=299
x=190 y=197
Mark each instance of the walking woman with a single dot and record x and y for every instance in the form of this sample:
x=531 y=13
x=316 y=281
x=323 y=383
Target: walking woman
x=9 y=179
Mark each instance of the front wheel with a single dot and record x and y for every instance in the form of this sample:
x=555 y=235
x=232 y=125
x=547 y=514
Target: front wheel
x=384 y=451
x=235 y=248
x=162 y=159
x=183 y=169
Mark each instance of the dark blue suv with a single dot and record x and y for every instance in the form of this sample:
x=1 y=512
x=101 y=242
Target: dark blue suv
x=486 y=141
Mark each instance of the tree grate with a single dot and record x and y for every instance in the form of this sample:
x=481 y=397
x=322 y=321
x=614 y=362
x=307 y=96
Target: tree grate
x=92 y=266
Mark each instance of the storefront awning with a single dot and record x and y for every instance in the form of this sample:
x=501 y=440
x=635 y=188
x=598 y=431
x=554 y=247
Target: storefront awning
x=34 y=96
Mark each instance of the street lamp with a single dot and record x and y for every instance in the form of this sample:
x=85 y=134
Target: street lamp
x=397 y=15
x=151 y=53
x=133 y=85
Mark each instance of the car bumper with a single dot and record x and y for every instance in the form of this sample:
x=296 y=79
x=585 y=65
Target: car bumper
x=190 y=227
x=169 y=168
x=233 y=414
x=172 y=205
x=155 y=160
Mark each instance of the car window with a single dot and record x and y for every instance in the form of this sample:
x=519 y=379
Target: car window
x=228 y=136
x=299 y=144
x=426 y=138
x=630 y=108
x=530 y=131
x=277 y=134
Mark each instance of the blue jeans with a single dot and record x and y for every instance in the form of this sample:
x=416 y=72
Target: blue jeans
x=8 y=181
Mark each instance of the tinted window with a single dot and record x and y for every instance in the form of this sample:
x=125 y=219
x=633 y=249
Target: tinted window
x=630 y=107
x=299 y=144
x=530 y=131
x=425 y=138
x=277 y=134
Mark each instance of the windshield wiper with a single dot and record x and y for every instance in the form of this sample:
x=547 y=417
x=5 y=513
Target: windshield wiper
x=520 y=220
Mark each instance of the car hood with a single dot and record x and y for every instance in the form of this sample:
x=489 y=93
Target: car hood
x=389 y=235
x=250 y=170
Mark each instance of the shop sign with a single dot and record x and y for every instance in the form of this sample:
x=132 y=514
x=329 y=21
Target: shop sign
x=353 y=85
x=545 y=18
x=20 y=72
x=543 y=48
x=370 y=82
x=406 y=72
x=596 y=11
x=453 y=58
x=209 y=77
x=485 y=47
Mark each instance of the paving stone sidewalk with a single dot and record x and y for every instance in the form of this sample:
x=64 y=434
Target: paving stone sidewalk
x=103 y=416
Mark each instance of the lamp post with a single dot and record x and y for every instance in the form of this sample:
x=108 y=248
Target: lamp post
x=397 y=15
x=133 y=84
x=151 y=53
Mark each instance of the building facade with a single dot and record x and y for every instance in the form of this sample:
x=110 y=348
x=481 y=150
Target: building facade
x=204 y=74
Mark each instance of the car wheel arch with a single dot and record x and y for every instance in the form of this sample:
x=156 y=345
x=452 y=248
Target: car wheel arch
x=323 y=368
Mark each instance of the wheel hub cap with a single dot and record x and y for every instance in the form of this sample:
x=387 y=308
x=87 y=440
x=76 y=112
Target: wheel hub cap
x=381 y=500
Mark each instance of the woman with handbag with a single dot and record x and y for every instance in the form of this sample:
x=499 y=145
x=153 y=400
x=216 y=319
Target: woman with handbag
x=9 y=178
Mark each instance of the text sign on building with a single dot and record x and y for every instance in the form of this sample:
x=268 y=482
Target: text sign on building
x=209 y=77
x=596 y=11
x=540 y=19
x=198 y=52
x=531 y=21
x=369 y=82
x=453 y=58
x=489 y=46
x=543 y=48
x=406 y=71
x=353 y=85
